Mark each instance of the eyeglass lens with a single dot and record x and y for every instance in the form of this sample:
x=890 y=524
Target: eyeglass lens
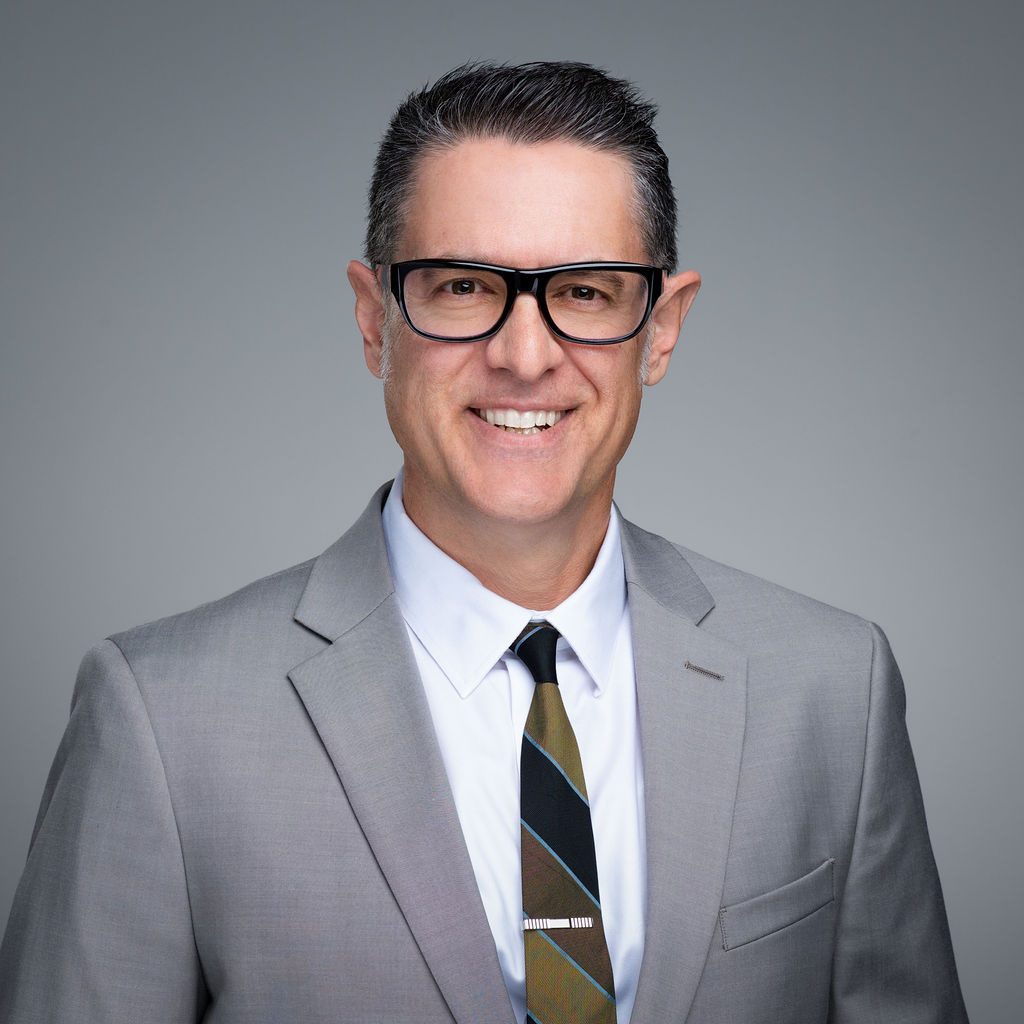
x=592 y=304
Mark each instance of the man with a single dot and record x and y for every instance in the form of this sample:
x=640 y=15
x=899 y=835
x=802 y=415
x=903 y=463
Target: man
x=497 y=754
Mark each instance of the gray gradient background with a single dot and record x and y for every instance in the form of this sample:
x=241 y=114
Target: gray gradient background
x=184 y=405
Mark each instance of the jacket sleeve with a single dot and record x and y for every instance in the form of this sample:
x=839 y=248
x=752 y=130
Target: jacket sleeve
x=100 y=929
x=893 y=958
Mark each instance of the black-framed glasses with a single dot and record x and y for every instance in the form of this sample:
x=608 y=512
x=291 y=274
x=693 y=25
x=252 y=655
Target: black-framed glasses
x=588 y=303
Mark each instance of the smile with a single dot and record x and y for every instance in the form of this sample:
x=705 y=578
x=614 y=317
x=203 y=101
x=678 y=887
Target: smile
x=532 y=421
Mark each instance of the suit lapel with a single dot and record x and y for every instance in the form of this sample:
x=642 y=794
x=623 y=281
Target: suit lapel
x=691 y=733
x=364 y=696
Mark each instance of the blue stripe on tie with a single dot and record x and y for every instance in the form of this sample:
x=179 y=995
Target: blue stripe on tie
x=522 y=640
x=530 y=1016
x=558 y=766
x=568 y=869
x=599 y=988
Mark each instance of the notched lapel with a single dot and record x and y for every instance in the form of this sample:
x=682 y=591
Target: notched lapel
x=691 y=732
x=364 y=696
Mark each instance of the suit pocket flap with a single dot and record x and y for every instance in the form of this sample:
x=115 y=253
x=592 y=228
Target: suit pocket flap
x=754 y=918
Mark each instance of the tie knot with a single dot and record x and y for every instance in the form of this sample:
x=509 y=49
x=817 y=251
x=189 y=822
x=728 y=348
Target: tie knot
x=535 y=648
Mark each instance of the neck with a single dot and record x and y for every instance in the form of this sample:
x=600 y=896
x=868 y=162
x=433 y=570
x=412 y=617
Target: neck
x=533 y=565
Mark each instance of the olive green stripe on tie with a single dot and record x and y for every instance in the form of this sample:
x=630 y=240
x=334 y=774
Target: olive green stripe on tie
x=549 y=892
x=561 y=991
x=559 y=746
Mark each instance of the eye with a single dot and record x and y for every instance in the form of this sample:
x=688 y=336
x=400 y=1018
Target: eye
x=580 y=294
x=462 y=286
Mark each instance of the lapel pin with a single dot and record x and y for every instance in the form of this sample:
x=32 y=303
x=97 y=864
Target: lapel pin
x=703 y=671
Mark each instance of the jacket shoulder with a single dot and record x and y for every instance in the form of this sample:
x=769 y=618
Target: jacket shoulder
x=763 y=615
x=249 y=618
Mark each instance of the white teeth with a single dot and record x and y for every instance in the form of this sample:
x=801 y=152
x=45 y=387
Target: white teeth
x=531 y=421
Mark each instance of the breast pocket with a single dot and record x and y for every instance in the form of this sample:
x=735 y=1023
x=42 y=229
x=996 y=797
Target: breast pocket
x=761 y=915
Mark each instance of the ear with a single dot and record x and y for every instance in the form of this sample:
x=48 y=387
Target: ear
x=369 y=311
x=676 y=298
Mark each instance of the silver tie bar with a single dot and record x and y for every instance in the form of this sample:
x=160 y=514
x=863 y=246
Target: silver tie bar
x=531 y=924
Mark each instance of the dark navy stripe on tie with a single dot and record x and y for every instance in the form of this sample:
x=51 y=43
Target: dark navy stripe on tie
x=554 y=811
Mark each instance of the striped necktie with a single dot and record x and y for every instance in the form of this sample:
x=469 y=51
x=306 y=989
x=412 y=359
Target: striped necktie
x=568 y=969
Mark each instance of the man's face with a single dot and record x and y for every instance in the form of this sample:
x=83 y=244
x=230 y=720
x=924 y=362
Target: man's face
x=492 y=201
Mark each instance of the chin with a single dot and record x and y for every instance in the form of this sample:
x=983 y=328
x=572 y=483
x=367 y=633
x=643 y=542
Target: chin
x=526 y=504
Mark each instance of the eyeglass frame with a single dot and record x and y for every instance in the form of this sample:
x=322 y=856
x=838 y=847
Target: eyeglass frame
x=533 y=281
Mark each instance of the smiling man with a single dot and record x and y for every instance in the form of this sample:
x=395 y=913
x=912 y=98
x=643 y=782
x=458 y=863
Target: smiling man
x=497 y=754
x=511 y=441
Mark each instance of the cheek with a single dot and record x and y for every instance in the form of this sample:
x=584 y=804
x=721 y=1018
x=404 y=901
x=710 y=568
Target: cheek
x=418 y=395
x=402 y=394
x=614 y=377
x=619 y=405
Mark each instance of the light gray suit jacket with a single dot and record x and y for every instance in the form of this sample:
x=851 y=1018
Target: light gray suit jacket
x=248 y=819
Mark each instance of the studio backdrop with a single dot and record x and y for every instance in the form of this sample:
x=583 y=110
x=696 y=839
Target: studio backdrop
x=184 y=405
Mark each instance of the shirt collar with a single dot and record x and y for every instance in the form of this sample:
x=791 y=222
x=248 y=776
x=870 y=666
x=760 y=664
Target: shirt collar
x=467 y=628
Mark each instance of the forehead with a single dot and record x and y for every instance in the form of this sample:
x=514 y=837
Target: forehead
x=542 y=204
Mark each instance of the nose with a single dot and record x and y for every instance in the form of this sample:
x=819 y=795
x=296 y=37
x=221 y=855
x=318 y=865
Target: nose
x=524 y=345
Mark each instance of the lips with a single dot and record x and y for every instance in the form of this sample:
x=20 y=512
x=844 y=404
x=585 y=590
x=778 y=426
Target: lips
x=519 y=421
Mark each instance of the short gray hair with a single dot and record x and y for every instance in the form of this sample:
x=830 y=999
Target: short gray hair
x=542 y=101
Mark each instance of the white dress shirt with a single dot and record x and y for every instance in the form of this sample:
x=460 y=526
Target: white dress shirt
x=479 y=695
